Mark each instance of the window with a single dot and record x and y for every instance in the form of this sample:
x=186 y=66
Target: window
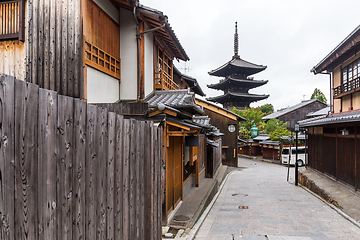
x=351 y=76
x=12 y=20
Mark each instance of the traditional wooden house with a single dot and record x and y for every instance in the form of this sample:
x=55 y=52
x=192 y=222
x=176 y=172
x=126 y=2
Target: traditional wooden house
x=334 y=139
x=237 y=83
x=95 y=50
x=298 y=112
x=228 y=123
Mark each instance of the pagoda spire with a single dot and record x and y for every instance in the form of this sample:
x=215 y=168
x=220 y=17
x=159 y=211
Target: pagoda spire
x=236 y=42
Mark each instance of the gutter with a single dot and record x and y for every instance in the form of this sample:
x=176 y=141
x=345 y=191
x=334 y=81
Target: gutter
x=313 y=70
x=140 y=94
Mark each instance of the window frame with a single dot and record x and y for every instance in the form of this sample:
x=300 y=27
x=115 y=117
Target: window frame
x=19 y=21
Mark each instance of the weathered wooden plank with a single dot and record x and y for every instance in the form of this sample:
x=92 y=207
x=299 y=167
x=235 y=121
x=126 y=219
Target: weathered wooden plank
x=100 y=173
x=158 y=174
x=132 y=185
x=40 y=44
x=7 y=181
x=78 y=48
x=90 y=166
x=26 y=160
x=118 y=205
x=35 y=37
x=110 y=189
x=47 y=164
x=53 y=40
x=46 y=43
x=149 y=186
x=58 y=47
x=126 y=178
x=70 y=46
x=65 y=162
x=141 y=179
x=79 y=170
x=155 y=182
x=64 y=48
x=137 y=178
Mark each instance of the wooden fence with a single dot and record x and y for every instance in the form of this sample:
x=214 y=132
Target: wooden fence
x=70 y=170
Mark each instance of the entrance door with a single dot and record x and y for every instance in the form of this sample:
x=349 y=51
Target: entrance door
x=174 y=173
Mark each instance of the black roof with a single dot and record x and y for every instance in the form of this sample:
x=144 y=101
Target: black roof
x=237 y=97
x=245 y=83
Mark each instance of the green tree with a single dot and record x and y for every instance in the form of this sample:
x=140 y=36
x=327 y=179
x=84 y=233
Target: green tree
x=252 y=115
x=267 y=108
x=319 y=95
x=273 y=124
x=277 y=133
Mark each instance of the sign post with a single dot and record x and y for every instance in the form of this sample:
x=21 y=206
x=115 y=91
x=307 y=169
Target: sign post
x=297 y=128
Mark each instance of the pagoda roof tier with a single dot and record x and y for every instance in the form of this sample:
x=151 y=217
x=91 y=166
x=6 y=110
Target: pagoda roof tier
x=237 y=66
x=237 y=97
x=245 y=83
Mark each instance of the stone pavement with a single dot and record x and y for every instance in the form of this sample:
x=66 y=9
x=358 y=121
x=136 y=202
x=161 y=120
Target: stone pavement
x=258 y=203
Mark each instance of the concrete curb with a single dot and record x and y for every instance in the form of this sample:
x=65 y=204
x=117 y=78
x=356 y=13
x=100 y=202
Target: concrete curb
x=199 y=223
x=347 y=217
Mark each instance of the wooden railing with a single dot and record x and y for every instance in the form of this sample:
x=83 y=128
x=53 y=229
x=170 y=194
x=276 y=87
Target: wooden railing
x=163 y=81
x=347 y=87
x=12 y=20
x=101 y=60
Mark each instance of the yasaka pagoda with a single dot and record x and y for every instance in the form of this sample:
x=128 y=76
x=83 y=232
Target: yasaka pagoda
x=236 y=81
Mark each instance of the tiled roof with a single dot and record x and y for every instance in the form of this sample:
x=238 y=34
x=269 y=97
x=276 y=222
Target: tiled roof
x=192 y=82
x=269 y=142
x=321 y=112
x=289 y=109
x=333 y=118
x=202 y=120
x=261 y=137
x=179 y=99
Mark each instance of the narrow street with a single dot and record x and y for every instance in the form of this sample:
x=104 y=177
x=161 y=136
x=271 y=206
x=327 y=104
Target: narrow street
x=257 y=202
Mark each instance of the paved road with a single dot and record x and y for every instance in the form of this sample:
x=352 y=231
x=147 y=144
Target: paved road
x=272 y=209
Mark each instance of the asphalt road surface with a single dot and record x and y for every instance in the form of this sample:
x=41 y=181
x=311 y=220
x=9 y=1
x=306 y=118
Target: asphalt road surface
x=259 y=203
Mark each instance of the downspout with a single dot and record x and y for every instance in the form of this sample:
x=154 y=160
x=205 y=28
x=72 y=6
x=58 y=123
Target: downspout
x=331 y=89
x=140 y=95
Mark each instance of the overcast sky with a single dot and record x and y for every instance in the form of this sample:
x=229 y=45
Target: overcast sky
x=289 y=37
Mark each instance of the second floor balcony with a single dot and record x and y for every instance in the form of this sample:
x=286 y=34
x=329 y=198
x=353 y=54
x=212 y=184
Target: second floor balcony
x=163 y=81
x=347 y=88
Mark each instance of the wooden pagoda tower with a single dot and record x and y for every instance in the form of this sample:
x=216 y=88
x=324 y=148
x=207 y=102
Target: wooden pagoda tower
x=236 y=82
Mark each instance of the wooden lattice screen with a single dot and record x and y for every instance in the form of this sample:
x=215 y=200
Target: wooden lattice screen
x=12 y=19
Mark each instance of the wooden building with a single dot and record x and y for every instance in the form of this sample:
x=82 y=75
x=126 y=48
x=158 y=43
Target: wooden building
x=95 y=50
x=296 y=113
x=334 y=139
x=236 y=82
x=228 y=123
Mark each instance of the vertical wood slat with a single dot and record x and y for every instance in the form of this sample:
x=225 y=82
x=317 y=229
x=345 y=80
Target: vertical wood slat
x=125 y=178
x=7 y=170
x=26 y=160
x=65 y=150
x=90 y=166
x=137 y=178
x=47 y=164
x=148 y=183
x=142 y=161
x=80 y=140
x=100 y=173
x=132 y=183
x=111 y=185
x=118 y=204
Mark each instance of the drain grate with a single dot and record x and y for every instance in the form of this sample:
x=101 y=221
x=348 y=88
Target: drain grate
x=243 y=207
x=179 y=224
x=181 y=218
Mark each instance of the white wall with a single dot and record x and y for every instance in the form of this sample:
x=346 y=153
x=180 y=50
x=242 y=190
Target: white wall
x=149 y=63
x=128 y=55
x=101 y=88
x=109 y=9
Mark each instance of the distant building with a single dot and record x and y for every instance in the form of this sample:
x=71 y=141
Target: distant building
x=236 y=82
x=334 y=138
x=296 y=113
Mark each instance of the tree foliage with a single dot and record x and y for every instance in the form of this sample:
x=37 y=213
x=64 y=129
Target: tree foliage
x=267 y=108
x=273 y=127
x=319 y=95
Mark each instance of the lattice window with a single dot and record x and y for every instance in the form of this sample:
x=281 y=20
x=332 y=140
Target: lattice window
x=101 y=60
x=12 y=20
